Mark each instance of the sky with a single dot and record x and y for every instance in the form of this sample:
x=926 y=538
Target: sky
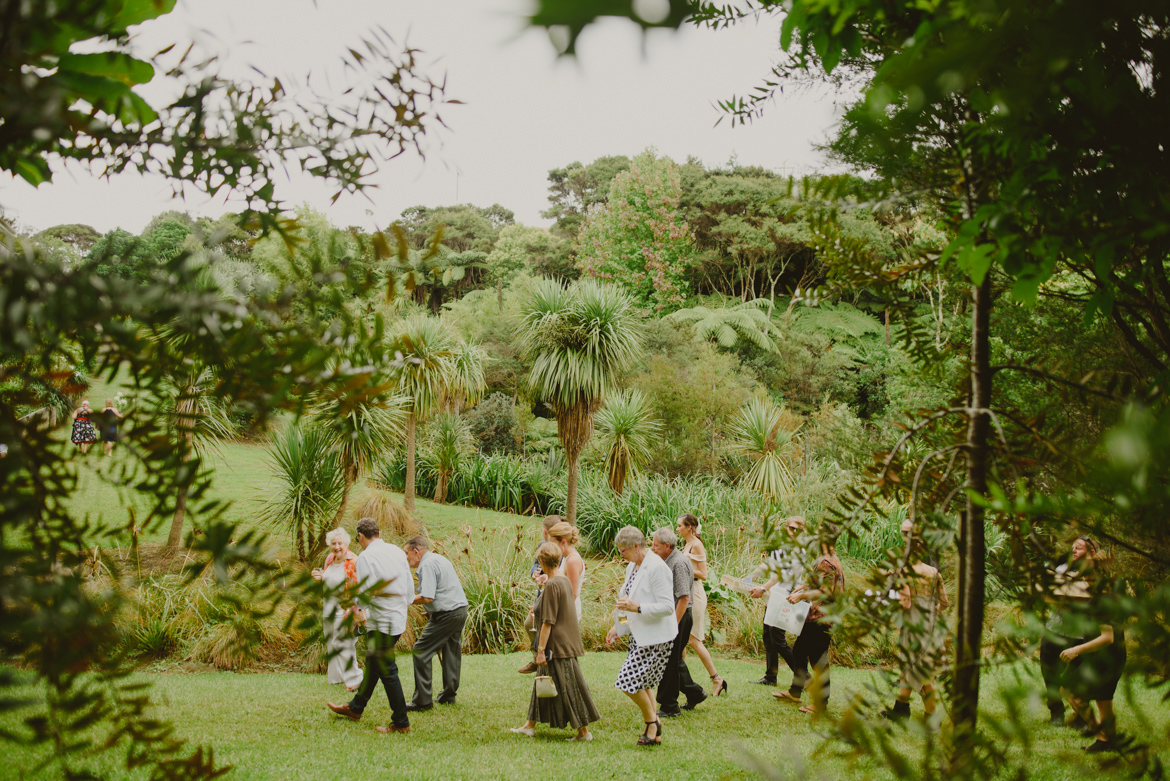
x=525 y=110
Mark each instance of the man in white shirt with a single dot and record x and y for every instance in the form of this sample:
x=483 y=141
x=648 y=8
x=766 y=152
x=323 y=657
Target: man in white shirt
x=384 y=614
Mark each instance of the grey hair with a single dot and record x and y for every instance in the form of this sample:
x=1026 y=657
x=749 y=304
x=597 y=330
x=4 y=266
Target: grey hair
x=667 y=537
x=368 y=528
x=337 y=534
x=629 y=537
x=417 y=543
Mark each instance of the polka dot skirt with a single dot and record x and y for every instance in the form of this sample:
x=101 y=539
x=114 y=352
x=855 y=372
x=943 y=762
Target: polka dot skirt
x=644 y=666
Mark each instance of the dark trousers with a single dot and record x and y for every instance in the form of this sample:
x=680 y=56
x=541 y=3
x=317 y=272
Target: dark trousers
x=1051 y=668
x=811 y=647
x=443 y=634
x=380 y=666
x=677 y=677
x=776 y=648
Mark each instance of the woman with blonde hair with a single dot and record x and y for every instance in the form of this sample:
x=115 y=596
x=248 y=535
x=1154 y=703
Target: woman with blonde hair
x=558 y=646
x=340 y=568
x=689 y=530
x=572 y=566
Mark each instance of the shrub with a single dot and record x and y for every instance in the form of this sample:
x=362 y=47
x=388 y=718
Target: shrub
x=494 y=425
x=493 y=567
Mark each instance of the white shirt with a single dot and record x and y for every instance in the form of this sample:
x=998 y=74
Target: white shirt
x=381 y=561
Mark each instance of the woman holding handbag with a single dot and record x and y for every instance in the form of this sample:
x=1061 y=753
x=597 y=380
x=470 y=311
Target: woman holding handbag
x=560 y=696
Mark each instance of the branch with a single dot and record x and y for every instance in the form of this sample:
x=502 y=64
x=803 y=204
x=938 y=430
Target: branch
x=1052 y=378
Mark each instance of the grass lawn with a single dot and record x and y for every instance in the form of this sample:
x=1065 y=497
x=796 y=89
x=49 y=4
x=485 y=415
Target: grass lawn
x=275 y=726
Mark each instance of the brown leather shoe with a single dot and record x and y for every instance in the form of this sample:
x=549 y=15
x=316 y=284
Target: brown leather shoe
x=528 y=668
x=345 y=710
x=391 y=730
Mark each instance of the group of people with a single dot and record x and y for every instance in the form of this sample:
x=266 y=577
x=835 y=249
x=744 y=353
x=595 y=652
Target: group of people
x=660 y=610
x=85 y=433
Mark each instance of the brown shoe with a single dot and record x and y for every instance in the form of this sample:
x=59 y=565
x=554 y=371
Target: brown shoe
x=391 y=730
x=345 y=710
x=528 y=668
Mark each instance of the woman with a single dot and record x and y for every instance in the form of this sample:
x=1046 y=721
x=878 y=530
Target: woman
x=924 y=635
x=1095 y=665
x=109 y=420
x=558 y=645
x=539 y=579
x=645 y=612
x=816 y=637
x=84 y=434
x=572 y=566
x=1056 y=631
x=340 y=568
x=689 y=530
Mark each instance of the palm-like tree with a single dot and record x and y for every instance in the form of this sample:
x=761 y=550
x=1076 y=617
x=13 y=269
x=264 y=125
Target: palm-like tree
x=727 y=325
x=448 y=444
x=360 y=428
x=579 y=339
x=627 y=430
x=466 y=382
x=310 y=482
x=428 y=351
x=764 y=434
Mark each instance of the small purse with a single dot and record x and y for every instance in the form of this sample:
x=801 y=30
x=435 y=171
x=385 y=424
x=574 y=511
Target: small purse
x=545 y=688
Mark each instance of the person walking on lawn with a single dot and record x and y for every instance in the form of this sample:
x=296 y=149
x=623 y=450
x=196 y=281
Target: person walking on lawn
x=784 y=567
x=441 y=595
x=384 y=614
x=677 y=677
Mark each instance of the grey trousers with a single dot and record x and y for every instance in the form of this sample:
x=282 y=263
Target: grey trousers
x=442 y=634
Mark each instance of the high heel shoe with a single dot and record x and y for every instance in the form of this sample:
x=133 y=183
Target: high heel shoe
x=646 y=740
x=723 y=688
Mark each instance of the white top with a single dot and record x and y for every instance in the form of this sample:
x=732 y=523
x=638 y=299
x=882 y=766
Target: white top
x=381 y=561
x=652 y=588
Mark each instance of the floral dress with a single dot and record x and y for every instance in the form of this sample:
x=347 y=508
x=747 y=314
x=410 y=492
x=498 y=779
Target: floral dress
x=83 y=430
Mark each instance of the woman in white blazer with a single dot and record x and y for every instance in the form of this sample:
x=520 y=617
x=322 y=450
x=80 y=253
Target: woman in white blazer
x=645 y=612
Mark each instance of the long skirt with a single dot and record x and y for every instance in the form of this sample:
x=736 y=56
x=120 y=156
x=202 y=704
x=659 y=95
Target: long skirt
x=572 y=707
x=339 y=643
x=83 y=432
x=699 y=611
x=644 y=667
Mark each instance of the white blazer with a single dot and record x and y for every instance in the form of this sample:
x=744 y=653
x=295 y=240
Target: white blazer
x=653 y=590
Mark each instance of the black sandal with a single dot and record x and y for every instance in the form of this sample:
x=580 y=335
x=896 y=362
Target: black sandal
x=646 y=740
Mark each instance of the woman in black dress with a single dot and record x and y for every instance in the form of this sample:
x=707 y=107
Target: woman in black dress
x=84 y=434
x=109 y=418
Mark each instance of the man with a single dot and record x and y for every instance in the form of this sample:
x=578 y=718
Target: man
x=384 y=614
x=441 y=595
x=677 y=677
x=783 y=566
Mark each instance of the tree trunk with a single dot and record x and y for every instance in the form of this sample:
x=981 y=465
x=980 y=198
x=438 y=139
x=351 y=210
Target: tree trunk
x=408 y=492
x=441 y=486
x=301 y=557
x=500 y=295
x=571 y=500
x=887 y=327
x=972 y=545
x=175 y=538
x=185 y=422
x=339 y=516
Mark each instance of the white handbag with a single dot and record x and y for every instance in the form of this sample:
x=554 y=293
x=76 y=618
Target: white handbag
x=545 y=688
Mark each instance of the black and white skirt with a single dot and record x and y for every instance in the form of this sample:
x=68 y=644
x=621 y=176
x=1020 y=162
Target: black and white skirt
x=644 y=666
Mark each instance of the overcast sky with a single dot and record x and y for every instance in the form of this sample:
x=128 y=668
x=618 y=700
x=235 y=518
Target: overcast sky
x=526 y=111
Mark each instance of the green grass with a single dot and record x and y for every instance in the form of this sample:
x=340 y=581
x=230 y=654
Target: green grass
x=275 y=726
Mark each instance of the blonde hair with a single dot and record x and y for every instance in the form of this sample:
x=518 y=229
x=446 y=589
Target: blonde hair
x=549 y=555
x=564 y=531
x=337 y=534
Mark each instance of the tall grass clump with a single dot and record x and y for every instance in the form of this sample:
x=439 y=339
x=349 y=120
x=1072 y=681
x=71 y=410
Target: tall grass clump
x=493 y=566
x=505 y=483
x=391 y=517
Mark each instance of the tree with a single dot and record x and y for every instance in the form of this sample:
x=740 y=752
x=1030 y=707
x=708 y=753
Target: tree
x=765 y=435
x=521 y=247
x=310 y=483
x=638 y=238
x=579 y=338
x=448 y=445
x=627 y=430
x=728 y=324
x=576 y=188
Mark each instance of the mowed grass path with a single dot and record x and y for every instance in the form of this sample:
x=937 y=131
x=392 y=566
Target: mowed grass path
x=276 y=726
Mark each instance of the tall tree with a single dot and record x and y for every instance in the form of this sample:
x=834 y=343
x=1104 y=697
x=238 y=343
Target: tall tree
x=579 y=338
x=576 y=188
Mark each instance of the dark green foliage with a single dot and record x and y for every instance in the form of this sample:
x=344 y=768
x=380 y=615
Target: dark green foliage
x=572 y=190
x=493 y=424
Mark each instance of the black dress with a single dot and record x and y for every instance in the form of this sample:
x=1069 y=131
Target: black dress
x=109 y=423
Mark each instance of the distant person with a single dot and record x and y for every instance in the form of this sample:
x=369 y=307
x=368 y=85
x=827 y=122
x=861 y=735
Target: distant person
x=109 y=418
x=1057 y=632
x=558 y=647
x=441 y=595
x=689 y=530
x=565 y=537
x=539 y=578
x=812 y=646
x=677 y=677
x=340 y=569
x=645 y=613
x=384 y=615
x=924 y=634
x=784 y=566
x=84 y=433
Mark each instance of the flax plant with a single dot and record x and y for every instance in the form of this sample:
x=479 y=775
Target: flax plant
x=627 y=430
x=766 y=436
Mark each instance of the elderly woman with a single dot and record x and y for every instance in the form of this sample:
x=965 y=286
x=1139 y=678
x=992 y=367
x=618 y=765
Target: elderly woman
x=340 y=568
x=645 y=612
x=84 y=434
x=558 y=645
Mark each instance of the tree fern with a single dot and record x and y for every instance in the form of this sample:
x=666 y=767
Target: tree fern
x=727 y=325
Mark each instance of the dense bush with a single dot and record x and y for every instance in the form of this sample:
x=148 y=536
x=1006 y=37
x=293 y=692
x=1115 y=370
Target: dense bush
x=504 y=483
x=494 y=426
